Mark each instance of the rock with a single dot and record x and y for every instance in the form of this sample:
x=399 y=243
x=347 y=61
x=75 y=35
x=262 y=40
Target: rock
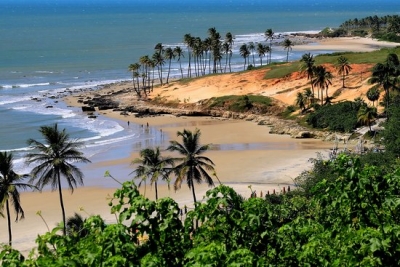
x=88 y=108
x=304 y=134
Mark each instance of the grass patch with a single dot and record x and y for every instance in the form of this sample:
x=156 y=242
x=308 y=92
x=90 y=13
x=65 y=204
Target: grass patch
x=281 y=70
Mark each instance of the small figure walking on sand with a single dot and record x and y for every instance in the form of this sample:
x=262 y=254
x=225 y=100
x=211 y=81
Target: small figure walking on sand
x=147 y=124
x=128 y=123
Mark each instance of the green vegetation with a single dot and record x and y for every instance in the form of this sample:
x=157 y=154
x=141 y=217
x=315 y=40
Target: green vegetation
x=340 y=117
x=348 y=218
x=240 y=103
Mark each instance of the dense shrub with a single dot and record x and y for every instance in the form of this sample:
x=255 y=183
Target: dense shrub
x=340 y=117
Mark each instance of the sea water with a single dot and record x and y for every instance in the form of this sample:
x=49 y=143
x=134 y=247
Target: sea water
x=50 y=48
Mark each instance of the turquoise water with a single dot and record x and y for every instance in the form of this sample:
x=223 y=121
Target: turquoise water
x=48 y=46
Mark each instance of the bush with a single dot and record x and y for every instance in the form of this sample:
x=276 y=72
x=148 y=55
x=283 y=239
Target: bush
x=340 y=117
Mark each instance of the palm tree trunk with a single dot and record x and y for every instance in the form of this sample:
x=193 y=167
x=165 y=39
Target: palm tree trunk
x=9 y=223
x=195 y=202
x=169 y=70
x=180 y=67
x=155 y=187
x=61 y=203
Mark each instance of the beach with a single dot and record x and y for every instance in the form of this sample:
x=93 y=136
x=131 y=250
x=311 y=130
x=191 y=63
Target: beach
x=244 y=153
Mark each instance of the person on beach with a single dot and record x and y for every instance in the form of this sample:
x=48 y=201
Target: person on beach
x=128 y=123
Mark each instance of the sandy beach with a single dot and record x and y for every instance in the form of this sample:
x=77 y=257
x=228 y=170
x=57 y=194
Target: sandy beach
x=244 y=153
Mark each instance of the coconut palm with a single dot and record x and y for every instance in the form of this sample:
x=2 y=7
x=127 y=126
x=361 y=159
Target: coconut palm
x=343 y=67
x=261 y=50
x=252 y=48
x=244 y=52
x=169 y=55
x=322 y=79
x=152 y=166
x=367 y=114
x=300 y=101
x=229 y=40
x=269 y=34
x=308 y=97
x=178 y=52
x=188 y=40
x=134 y=68
x=226 y=49
x=159 y=61
x=307 y=66
x=54 y=158
x=287 y=45
x=192 y=167
x=373 y=94
x=10 y=183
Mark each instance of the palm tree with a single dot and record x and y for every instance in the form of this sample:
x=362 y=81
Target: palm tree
x=308 y=97
x=252 y=48
x=229 y=40
x=244 y=52
x=54 y=158
x=10 y=182
x=134 y=68
x=343 y=67
x=366 y=114
x=151 y=166
x=287 y=45
x=261 y=50
x=322 y=79
x=188 y=40
x=300 y=101
x=178 y=52
x=159 y=62
x=169 y=55
x=269 y=34
x=226 y=49
x=307 y=66
x=373 y=94
x=193 y=166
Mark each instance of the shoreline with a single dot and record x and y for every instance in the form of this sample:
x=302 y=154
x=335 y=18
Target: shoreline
x=253 y=157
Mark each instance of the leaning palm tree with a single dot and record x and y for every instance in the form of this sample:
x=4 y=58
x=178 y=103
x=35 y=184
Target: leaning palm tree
x=287 y=45
x=343 y=67
x=54 y=158
x=192 y=167
x=322 y=79
x=307 y=66
x=152 y=166
x=10 y=183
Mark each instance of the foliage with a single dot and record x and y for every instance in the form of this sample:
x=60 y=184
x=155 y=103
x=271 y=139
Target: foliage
x=391 y=137
x=350 y=218
x=241 y=103
x=340 y=117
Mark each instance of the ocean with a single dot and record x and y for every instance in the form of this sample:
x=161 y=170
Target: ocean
x=49 y=46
